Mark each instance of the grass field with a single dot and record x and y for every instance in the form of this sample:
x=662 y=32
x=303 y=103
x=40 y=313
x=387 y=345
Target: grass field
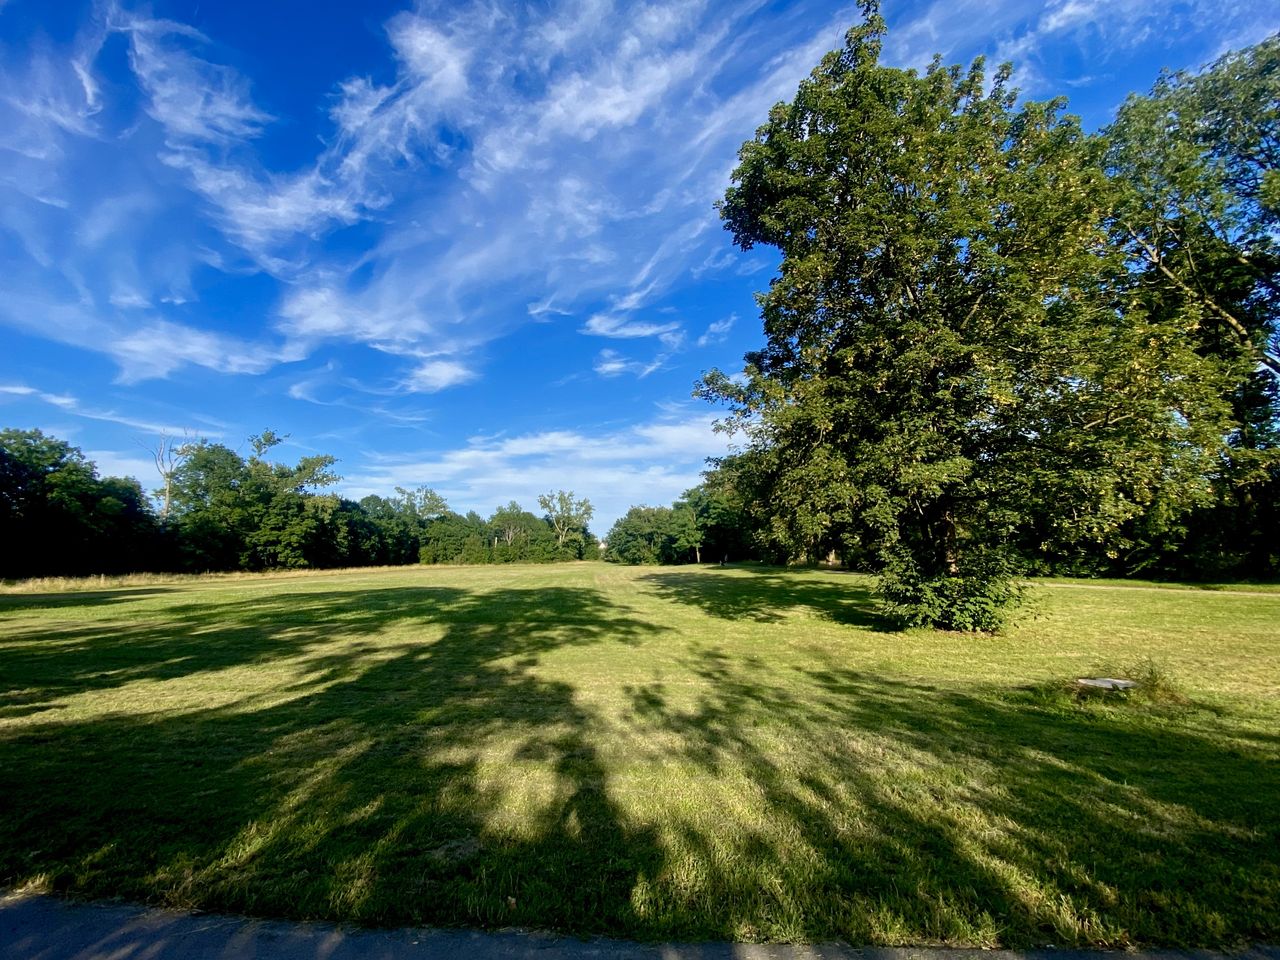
x=654 y=753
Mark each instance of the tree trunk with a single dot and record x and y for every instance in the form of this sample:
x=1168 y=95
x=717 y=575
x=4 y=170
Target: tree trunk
x=949 y=544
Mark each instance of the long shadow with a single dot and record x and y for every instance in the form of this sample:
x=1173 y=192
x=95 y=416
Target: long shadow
x=376 y=791
x=80 y=598
x=47 y=660
x=952 y=816
x=766 y=594
x=439 y=776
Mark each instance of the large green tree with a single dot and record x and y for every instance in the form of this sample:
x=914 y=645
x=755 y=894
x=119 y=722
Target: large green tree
x=645 y=535
x=396 y=531
x=951 y=343
x=454 y=538
x=254 y=514
x=1196 y=167
x=520 y=536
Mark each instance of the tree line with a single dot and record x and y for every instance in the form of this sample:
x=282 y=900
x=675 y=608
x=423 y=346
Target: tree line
x=220 y=511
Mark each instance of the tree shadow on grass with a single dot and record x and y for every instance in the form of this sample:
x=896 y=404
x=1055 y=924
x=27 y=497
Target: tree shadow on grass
x=47 y=660
x=81 y=598
x=930 y=815
x=442 y=777
x=375 y=791
x=768 y=594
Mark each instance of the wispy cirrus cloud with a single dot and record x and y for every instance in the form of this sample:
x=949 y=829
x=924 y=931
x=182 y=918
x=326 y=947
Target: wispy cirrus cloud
x=611 y=363
x=1038 y=38
x=717 y=331
x=488 y=167
x=478 y=103
x=75 y=407
x=193 y=99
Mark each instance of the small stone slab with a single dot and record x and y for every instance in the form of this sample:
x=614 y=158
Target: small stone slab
x=1106 y=683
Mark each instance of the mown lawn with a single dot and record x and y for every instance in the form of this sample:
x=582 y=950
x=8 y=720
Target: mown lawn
x=654 y=753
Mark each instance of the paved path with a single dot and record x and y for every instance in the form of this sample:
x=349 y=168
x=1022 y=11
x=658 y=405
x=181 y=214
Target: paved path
x=44 y=928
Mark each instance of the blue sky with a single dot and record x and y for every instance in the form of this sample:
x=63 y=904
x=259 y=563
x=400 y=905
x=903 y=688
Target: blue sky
x=467 y=245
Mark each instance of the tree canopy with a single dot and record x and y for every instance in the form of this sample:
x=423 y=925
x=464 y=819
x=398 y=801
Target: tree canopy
x=568 y=516
x=959 y=350
x=57 y=516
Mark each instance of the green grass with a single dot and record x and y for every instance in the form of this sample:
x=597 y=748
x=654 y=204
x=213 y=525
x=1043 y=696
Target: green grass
x=1250 y=586
x=656 y=753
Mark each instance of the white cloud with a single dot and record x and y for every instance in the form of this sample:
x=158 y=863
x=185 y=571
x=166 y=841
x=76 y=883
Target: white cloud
x=718 y=331
x=160 y=347
x=89 y=85
x=614 y=325
x=144 y=348
x=62 y=401
x=129 y=299
x=110 y=217
x=193 y=99
x=435 y=375
x=72 y=405
x=261 y=214
x=318 y=313
x=432 y=58
x=610 y=363
x=1101 y=31
x=510 y=165
x=112 y=463
x=564 y=152
x=716 y=261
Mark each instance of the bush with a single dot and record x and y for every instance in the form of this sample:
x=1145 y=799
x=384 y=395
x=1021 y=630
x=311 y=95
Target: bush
x=979 y=596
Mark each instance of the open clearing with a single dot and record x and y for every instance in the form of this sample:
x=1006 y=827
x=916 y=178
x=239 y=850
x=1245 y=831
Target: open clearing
x=671 y=753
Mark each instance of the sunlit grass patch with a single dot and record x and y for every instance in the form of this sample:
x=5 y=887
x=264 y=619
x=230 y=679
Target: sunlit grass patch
x=686 y=753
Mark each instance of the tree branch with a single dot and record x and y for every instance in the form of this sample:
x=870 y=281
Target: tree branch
x=1153 y=256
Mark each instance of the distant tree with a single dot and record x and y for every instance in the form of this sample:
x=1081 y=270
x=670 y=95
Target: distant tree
x=509 y=524
x=519 y=535
x=569 y=518
x=253 y=515
x=167 y=454
x=352 y=537
x=724 y=530
x=228 y=512
x=422 y=502
x=686 y=535
x=45 y=486
x=454 y=538
x=209 y=508
x=647 y=535
x=126 y=530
